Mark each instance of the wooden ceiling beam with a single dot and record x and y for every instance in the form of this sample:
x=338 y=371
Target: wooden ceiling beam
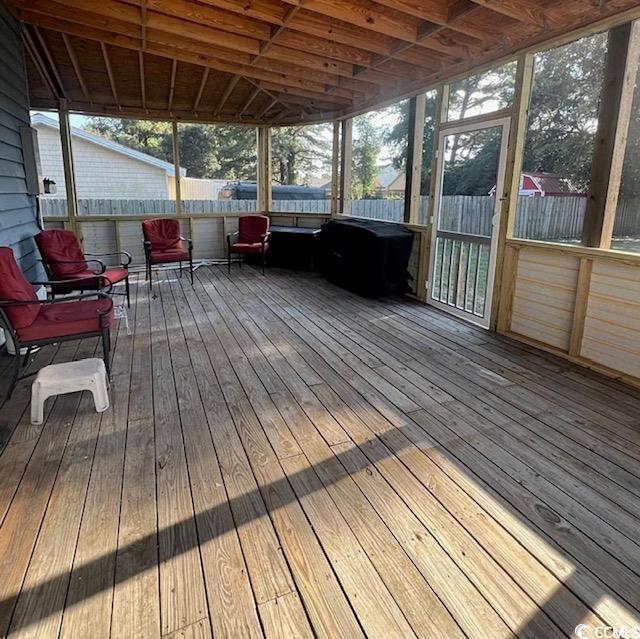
x=95 y=19
x=51 y=62
x=203 y=82
x=93 y=30
x=367 y=15
x=143 y=90
x=227 y=93
x=143 y=24
x=183 y=55
x=267 y=107
x=310 y=93
x=524 y=11
x=76 y=66
x=38 y=63
x=172 y=84
x=247 y=103
x=112 y=80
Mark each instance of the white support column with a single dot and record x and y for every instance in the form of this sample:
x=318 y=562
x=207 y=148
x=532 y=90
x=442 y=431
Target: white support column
x=176 y=164
x=345 y=167
x=415 y=144
x=67 y=161
x=335 y=169
x=264 y=170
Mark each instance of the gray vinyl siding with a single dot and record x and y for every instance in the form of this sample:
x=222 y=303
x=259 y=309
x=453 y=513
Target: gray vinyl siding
x=17 y=209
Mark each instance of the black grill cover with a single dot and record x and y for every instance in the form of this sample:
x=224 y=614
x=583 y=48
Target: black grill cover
x=365 y=256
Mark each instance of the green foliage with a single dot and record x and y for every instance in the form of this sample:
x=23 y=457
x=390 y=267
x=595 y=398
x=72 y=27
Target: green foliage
x=563 y=113
x=153 y=138
x=206 y=150
x=300 y=153
x=367 y=143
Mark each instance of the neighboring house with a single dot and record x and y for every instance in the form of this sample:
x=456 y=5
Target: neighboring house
x=103 y=169
x=542 y=184
x=390 y=182
x=197 y=188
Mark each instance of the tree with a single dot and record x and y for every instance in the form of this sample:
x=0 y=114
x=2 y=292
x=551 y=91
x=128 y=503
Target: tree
x=300 y=153
x=367 y=143
x=206 y=150
x=563 y=113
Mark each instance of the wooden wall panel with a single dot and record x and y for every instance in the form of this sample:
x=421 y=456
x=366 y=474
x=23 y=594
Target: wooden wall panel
x=612 y=324
x=100 y=238
x=208 y=239
x=544 y=297
x=130 y=233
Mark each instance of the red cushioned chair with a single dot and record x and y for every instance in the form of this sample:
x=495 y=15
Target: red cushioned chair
x=30 y=322
x=66 y=262
x=163 y=244
x=252 y=237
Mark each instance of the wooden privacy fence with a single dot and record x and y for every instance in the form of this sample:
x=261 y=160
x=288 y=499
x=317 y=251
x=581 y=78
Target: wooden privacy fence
x=539 y=218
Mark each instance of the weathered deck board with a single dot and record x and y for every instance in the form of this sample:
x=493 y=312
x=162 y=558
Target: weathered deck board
x=285 y=459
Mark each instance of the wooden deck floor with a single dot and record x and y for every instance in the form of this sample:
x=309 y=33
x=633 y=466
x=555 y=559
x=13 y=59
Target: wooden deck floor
x=285 y=459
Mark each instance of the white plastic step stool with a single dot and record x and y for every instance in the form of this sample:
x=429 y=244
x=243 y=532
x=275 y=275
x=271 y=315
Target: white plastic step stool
x=69 y=377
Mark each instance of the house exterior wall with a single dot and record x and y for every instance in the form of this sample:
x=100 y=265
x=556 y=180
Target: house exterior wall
x=17 y=209
x=100 y=173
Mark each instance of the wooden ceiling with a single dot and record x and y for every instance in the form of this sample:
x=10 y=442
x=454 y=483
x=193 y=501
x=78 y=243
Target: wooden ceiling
x=275 y=61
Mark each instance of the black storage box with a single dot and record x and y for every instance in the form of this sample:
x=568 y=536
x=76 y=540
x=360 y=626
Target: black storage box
x=366 y=256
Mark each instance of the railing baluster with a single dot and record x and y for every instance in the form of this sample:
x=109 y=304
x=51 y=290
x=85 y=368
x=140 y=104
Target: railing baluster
x=476 y=280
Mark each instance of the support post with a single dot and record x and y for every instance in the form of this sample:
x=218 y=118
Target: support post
x=176 y=164
x=505 y=263
x=616 y=100
x=345 y=167
x=264 y=170
x=442 y=102
x=69 y=172
x=335 y=169
x=415 y=143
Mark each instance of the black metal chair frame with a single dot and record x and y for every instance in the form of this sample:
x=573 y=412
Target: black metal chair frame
x=12 y=333
x=148 y=264
x=263 y=252
x=94 y=283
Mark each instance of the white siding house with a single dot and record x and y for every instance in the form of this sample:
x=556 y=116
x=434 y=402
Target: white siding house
x=103 y=169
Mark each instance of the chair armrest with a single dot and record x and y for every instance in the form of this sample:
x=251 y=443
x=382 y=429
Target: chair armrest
x=265 y=236
x=126 y=255
x=231 y=235
x=71 y=298
x=100 y=263
x=189 y=242
x=77 y=280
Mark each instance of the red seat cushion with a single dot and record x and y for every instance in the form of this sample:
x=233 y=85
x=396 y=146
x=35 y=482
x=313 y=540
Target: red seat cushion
x=163 y=234
x=57 y=246
x=63 y=319
x=169 y=255
x=14 y=286
x=112 y=275
x=244 y=247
